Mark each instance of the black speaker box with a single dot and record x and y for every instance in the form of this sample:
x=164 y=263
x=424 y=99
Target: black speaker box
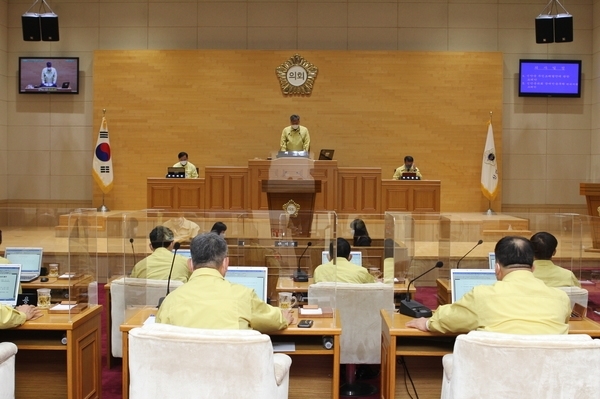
x=31 y=27
x=49 y=23
x=563 y=28
x=544 y=29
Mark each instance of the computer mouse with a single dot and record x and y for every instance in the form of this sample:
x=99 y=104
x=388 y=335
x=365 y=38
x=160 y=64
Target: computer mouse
x=44 y=279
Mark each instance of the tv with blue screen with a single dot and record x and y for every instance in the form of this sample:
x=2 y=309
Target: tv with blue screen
x=549 y=78
x=49 y=75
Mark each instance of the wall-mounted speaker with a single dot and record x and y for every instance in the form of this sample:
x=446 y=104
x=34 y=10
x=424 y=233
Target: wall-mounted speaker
x=30 y=22
x=49 y=24
x=563 y=28
x=544 y=29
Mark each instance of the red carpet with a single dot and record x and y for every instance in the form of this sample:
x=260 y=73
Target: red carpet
x=111 y=379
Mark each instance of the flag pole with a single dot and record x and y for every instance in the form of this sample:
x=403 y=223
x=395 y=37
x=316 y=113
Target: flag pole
x=103 y=208
x=490 y=211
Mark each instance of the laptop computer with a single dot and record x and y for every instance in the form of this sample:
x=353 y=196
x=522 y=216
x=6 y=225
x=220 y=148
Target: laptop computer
x=464 y=280
x=186 y=253
x=175 y=172
x=30 y=259
x=65 y=85
x=409 y=176
x=356 y=257
x=326 y=155
x=10 y=276
x=254 y=277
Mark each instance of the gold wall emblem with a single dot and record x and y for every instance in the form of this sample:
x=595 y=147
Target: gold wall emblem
x=291 y=208
x=296 y=76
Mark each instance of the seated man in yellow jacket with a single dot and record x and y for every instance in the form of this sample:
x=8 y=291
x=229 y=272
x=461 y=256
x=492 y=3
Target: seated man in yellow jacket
x=207 y=300
x=544 y=248
x=518 y=303
x=158 y=264
x=14 y=317
x=343 y=271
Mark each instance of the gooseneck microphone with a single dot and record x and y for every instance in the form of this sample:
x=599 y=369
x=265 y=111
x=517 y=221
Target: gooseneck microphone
x=133 y=251
x=175 y=248
x=413 y=308
x=476 y=245
x=299 y=275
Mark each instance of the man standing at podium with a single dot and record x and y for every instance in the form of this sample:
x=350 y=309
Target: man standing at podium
x=190 y=170
x=295 y=137
x=408 y=167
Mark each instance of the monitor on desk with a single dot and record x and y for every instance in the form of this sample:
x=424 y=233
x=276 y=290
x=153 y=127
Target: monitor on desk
x=10 y=276
x=254 y=277
x=463 y=280
x=492 y=260
x=186 y=253
x=356 y=257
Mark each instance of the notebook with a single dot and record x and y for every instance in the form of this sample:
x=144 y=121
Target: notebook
x=326 y=155
x=9 y=284
x=30 y=259
x=254 y=277
x=463 y=280
x=356 y=257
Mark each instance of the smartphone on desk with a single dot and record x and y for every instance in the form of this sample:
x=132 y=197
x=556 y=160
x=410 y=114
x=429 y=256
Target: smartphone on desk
x=305 y=324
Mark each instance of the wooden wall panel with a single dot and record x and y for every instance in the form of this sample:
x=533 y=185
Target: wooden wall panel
x=372 y=107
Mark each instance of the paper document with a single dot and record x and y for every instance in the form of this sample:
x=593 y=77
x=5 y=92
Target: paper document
x=63 y=307
x=284 y=347
x=310 y=312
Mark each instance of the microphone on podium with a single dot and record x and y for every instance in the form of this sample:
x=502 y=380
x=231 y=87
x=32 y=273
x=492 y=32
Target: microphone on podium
x=175 y=247
x=412 y=308
x=476 y=245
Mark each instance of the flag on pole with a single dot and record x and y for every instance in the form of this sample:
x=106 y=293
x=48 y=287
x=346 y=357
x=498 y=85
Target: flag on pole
x=489 y=167
x=102 y=165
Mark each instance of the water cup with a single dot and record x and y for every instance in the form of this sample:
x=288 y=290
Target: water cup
x=43 y=297
x=287 y=300
x=53 y=270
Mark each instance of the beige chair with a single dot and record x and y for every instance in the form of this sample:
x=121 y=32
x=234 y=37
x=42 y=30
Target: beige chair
x=127 y=294
x=8 y=351
x=576 y=295
x=494 y=365
x=359 y=306
x=168 y=361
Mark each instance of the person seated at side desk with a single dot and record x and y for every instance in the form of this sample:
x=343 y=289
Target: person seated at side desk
x=360 y=233
x=14 y=317
x=158 y=264
x=544 y=248
x=207 y=300
x=408 y=167
x=343 y=271
x=518 y=303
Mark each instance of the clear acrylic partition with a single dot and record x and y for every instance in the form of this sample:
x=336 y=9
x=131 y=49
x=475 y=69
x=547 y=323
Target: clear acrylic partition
x=81 y=273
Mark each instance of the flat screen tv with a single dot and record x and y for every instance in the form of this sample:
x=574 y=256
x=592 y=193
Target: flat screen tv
x=49 y=75
x=549 y=78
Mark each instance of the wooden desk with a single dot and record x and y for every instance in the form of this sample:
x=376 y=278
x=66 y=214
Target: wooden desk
x=45 y=368
x=308 y=342
x=399 y=340
x=287 y=284
x=58 y=286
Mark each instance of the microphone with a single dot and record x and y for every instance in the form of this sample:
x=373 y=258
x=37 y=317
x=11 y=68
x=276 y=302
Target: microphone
x=478 y=243
x=413 y=308
x=175 y=247
x=133 y=251
x=299 y=275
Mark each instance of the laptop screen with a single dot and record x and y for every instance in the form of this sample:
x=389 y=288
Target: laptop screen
x=29 y=258
x=463 y=280
x=186 y=253
x=326 y=155
x=356 y=257
x=254 y=277
x=10 y=276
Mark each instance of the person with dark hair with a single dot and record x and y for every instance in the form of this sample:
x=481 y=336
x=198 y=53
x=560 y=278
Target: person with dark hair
x=210 y=301
x=544 y=248
x=295 y=137
x=343 y=271
x=518 y=303
x=219 y=228
x=157 y=265
x=360 y=233
x=191 y=172
x=408 y=167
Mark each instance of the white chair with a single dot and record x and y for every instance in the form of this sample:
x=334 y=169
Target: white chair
x=360 y=343
x=494 y=365
x=576 y=295
x=129 y=293
x=168 y=361
x=8 y=351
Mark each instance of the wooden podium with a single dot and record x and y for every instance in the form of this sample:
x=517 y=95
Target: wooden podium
x=294 y=200
x=592 y=198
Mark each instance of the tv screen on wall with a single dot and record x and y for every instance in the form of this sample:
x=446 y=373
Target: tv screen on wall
x=549 y=78
x=49 y=75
